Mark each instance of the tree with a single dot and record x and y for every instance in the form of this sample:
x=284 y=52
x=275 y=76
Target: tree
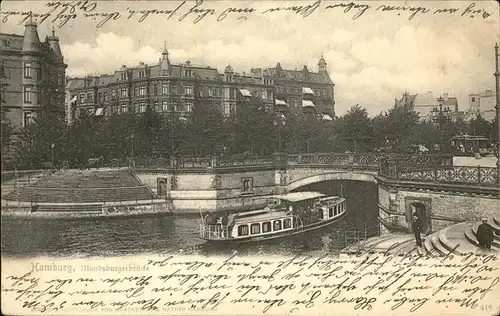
x=356 y=127
x=7 y=132
x=480 y=126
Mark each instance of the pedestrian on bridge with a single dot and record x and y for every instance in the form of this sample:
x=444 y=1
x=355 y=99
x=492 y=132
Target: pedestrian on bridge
x=417 y=229
x=485 y=234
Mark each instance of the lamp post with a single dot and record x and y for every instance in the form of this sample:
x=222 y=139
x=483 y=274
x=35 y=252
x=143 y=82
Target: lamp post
x=440 y=115
x=279 y=121
x=52 y=153
x=132 y=137
x=497 y=108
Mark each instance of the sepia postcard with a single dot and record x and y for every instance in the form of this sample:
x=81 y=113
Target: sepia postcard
x=206 y=157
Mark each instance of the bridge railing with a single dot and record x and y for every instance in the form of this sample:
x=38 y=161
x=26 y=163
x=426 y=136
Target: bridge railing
x=486 y=176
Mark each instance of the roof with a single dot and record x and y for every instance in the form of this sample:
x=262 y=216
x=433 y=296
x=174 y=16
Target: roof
x=300 y=75
x=299 y=196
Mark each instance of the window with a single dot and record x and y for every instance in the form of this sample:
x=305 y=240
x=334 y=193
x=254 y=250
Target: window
x=287 y=223
x=28 y=118
x=226 y=93
x=113 y=93
x=164 y=88
x=105 y=96
x=99 y=97
x=81 y=98
x=276 y=225
x=266 y=227
x=189 y=106
x=473 y=99
x=227 y=108
x=165 y=106
x=211 y=92
x=187 y=73
x=142 y=90
x=142 y=73
x=243 y=230
x=90 y=97
x=255 y=228
x=124 y=76
x=247 y=184
x=330 y=212
x=124 y=108
x=142 y=108
x=155 y=89
x=116 y=109
x=27 y=70
x=124 y=93
x=188 y=90
x=27 y=94
x=157 y=106
x=135 y=91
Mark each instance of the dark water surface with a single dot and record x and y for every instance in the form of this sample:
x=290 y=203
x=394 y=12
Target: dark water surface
x=177 y=233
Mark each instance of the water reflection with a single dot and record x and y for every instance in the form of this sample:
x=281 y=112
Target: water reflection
x=175 y=234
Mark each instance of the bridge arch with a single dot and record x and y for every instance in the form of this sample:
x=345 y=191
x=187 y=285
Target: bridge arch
x=332 y=176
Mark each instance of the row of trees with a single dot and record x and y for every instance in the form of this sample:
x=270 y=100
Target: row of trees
x=252 y=131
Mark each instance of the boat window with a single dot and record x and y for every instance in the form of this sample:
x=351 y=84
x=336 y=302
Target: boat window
x=287 y=223
x=243 y=230
x=330 y=212
x=266 y=227
x=255 y=228
x=277 y=225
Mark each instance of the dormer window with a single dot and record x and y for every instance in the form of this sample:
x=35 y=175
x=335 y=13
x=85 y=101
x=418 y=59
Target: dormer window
x=187 y=73
x=124 y=76
x=142 y=74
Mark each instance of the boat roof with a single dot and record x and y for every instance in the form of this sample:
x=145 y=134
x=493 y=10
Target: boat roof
x=299 y=196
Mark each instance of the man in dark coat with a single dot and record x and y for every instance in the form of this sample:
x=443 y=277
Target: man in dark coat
x=416 y=225
x=485 y=234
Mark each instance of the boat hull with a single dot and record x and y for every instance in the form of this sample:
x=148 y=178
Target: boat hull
x=283 y=234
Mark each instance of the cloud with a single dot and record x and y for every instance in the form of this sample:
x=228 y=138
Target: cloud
x=108 y=53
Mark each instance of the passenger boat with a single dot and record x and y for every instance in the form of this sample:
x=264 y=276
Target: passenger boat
x=285 y=215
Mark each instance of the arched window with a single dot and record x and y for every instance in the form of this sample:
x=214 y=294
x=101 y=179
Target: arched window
x=277 y=225
x=243 y=230
x=255 y=228
x=330 y=212
x=266 y=227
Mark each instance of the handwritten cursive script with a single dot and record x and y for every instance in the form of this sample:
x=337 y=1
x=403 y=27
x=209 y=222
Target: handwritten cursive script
x=369 y=282
x=195 y=11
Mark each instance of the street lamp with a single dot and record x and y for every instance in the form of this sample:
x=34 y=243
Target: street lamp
x=279 y=121
x=440 y=115
x=133 y=160
x=52 y=154
x=497 y=108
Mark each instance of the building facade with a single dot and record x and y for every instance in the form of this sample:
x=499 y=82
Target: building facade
x=175 y=88
x=483 y=104
x=32 y=76
x=426 y=104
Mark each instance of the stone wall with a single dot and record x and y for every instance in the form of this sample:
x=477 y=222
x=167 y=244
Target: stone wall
x=443 y=208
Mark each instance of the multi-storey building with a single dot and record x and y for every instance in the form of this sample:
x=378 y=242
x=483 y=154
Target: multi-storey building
x=168 y=88
x=426 y=104
x=32 y=76
x=482 y=104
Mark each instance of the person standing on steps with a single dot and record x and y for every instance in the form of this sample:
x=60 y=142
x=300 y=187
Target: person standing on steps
x=485 y=234
x=416 y=225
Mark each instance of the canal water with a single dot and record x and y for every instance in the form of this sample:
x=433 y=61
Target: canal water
x=177 y=233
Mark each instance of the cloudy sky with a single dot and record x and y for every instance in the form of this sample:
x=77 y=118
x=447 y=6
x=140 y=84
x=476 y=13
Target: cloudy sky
x=372 y=59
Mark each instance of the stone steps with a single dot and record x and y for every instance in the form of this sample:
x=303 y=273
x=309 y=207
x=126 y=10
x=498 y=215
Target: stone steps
x=471 y=233
x=438 y=246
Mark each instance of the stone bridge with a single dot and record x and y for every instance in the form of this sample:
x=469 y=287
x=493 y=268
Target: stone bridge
x=227 y=183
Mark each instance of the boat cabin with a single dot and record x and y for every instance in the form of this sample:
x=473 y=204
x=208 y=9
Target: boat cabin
x=283 y=214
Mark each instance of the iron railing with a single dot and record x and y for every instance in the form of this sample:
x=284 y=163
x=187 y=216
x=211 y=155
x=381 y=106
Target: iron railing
x=486 y=176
